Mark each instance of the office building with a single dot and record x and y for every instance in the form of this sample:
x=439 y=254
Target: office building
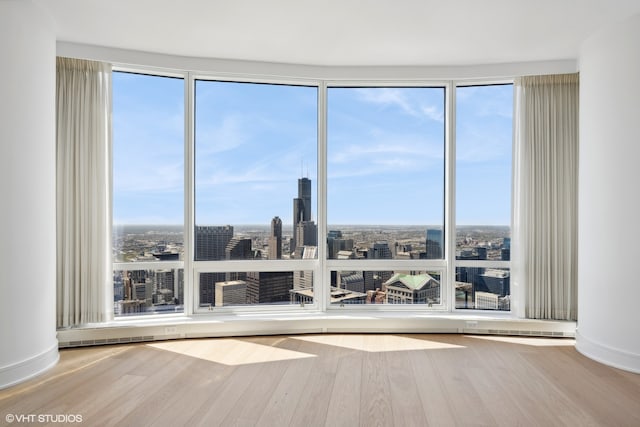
x=238 y=248
x=275 y=239
x=210 y=245
x=301 y=210
x=412 y=289
x=306 y=235
x=486 y=301
x=435 y=244
x=496 y=281
x=211 y=242
x=505 y=251
x=231 y=293
x=351 y=281
x=269 y=287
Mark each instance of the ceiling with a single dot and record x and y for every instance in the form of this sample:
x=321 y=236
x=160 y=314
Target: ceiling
x=342 y=32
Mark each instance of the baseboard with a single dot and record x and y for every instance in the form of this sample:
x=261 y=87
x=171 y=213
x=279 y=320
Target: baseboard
x=608 y=355
x=18 y=372
x=269 y=325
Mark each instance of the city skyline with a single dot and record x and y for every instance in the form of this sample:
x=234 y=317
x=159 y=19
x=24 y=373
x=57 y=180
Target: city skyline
x=161 y=290
x=245 y=157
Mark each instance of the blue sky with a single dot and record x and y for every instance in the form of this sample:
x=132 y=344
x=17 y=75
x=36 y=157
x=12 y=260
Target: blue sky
x=385 y=152
x=148 y=149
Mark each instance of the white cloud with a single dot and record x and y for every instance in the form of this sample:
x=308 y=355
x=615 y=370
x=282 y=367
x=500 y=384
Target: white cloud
x=388 y=154
x=232 y=133
x=399 y=98
x=388 y=96
x=476 y=145
x=149 y=176
x=434 y=113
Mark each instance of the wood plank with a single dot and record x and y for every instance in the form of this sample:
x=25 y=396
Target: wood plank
x=375 y=393
x=284 y=399
x=344 y=405
x=453 y=369
x=313 y=406
x=603 y=396
x=333 y=380
x=407 y=409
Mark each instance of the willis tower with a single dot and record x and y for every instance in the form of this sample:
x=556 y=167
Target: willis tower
x=301 y=210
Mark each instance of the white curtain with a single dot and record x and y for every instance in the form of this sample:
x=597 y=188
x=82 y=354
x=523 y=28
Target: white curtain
x=83 y=97
x=546 y=195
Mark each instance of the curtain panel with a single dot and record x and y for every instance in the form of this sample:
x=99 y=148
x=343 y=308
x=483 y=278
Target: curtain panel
x=546 y=194
x=83 y=97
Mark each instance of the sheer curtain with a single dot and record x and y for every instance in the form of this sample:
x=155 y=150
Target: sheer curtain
x=83 y=96
x=546 y=195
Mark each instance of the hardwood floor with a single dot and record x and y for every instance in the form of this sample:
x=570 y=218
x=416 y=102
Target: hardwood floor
x=332 y=380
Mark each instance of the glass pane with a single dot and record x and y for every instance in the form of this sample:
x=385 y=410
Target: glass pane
x=385 y=166
x=256 y=288
x=385 y=287
x=137 y=292
x=148 y=192
x=484 y=132
x=255 y=177
x=148 y=167
x=483 y=288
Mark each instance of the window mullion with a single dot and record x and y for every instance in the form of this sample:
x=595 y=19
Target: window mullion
x=323 y=276
x=450 y=194
x=189 y=157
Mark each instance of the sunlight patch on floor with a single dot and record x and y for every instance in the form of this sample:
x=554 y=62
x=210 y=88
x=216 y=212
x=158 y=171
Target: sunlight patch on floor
x=376 y=343
x=231 y=352
x=532 y=341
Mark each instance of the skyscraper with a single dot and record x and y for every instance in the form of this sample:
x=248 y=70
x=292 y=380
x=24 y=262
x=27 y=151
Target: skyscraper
x=374 y=279
x=434 y=244
x=301 y=207
x=238 y=248
x=269 y=287
x=306 y=234
x=275 y=239
x=380 y=250
x=505 y=252
x=210 y=244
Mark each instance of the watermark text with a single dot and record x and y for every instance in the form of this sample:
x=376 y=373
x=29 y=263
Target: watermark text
x=43 y=418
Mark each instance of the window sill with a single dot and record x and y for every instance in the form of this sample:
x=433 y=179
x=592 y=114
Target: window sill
x=243 y=324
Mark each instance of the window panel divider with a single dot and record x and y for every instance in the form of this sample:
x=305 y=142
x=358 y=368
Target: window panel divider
x=450 y=195
x=189 y=190
x=321 y=278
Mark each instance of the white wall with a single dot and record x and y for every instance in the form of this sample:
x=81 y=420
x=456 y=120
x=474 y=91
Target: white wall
x=609 y=224
x=28 y=343
x=261 y=70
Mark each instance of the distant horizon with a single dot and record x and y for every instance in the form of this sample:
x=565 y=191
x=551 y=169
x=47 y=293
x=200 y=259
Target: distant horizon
x=328 y=225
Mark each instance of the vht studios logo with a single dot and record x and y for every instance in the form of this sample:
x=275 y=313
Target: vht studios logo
x=43 y=418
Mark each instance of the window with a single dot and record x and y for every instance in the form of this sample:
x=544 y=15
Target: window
x=148 y=193
x=483 y=196
x=255 y=186
x=290 y=205
x=385 y=169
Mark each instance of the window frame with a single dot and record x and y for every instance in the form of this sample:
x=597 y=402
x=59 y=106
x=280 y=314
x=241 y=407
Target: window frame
x=453 y=236
x=321 y=266
x=440 y=265
x=223 y=266
x=153 y=265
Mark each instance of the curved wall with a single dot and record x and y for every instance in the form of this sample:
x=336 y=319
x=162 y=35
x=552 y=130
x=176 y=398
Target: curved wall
x=27 y=189
x=609 y=198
